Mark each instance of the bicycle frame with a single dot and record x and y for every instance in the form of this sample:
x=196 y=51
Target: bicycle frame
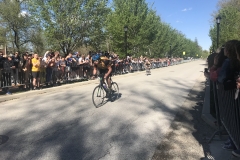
x=101 y=79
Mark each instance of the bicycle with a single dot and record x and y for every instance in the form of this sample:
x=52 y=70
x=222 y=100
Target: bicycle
x=101 y=92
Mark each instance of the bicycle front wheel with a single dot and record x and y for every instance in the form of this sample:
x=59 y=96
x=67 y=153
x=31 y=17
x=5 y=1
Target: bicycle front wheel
x=98 y=96
x=115 y=91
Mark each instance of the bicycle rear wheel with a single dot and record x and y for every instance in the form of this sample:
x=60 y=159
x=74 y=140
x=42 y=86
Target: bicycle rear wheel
x=115 y=91
x=98 y=96
x=148 y=71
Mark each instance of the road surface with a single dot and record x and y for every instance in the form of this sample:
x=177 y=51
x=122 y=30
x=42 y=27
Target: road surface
x=64 y=124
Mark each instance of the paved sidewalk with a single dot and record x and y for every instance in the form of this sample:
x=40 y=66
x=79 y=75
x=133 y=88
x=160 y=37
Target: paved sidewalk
x=189 y=134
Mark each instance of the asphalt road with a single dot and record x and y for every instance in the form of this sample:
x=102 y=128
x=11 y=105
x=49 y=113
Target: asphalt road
x=64 y=124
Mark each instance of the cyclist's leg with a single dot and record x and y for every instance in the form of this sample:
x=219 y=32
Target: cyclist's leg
x=108 y=80
x=101 y=72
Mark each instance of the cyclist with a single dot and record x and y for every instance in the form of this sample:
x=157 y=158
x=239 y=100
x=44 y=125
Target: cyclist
x=104 y=65
x=147 y=65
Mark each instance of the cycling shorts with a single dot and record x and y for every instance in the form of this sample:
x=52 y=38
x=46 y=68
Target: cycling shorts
x=104 y=71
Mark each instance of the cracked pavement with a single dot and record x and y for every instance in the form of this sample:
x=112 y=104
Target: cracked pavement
x=64 y=124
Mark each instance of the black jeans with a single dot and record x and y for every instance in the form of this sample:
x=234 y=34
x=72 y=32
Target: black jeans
x=49 y=71
x=15 y=75
x=6 y=79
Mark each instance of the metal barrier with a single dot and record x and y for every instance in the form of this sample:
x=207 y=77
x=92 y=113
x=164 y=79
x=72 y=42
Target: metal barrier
x=227 y=112
x=51 y=76
x=48 y=76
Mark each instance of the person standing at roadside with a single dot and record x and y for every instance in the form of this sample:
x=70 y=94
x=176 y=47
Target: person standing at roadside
x=8 y=66
x=26 y=70
x=16 y=61
x=36 y=71
x=237 y=48
x=210 y=59
x=2 y=59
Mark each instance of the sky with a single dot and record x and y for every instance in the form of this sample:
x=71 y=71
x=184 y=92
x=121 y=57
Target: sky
x=192 y=17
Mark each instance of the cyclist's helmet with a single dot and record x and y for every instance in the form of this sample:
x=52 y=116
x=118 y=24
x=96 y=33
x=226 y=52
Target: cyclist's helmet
x=95 y=57
x=106 y=54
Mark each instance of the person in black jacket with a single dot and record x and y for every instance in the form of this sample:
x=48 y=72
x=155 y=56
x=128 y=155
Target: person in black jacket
x=8 y=65
x=16 y=61
x=26 y=70
x=2 y=59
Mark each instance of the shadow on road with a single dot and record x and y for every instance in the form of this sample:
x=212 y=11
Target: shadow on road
x=70 y=129
x=3 y=139
x=188 y=133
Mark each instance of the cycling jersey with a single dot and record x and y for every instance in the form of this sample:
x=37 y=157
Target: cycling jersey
x=104 y=63
x=147 y=63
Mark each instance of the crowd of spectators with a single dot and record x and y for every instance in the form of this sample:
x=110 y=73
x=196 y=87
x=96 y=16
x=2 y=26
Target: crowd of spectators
x=33 y=71
x=224 y=68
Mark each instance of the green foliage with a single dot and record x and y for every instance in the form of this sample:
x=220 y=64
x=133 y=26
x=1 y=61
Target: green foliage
x=229 y=25
x=147 y=35
x=19 y=27
x=69 y=24
x=131 y=13
x=205 y=54
x=2 y=35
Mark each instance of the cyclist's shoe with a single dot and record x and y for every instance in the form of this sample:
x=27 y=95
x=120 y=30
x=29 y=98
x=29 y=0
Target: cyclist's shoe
x=107 y=93
x=111 y=90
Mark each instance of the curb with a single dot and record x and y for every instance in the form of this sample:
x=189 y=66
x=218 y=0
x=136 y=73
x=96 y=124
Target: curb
x=45 y=90
x=206 y=116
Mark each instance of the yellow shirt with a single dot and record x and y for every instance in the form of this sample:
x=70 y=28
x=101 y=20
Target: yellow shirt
x=35 y=68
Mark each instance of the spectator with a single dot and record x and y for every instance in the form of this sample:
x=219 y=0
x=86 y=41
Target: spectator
x=218 y=61
x=75 y=65
x=46 y=55
x=55 y=65
x=227 y=76
x=237 y=49
x=2 y=59
x=36 y=71
x=26 y=70
x=8 y=66
x=16 y=61
x=62 y=65
x=230 y=66
x=86 y=66
x=81 y=66
x=210 y=59
x=30 y=57
x=70 y=62
x=48 y=65
x=42 y=73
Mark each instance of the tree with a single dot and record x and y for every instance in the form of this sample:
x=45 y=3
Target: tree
x=69 y=24
x=229 y=10
x=17 y=23
x=205 y=54
x=132 y=13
